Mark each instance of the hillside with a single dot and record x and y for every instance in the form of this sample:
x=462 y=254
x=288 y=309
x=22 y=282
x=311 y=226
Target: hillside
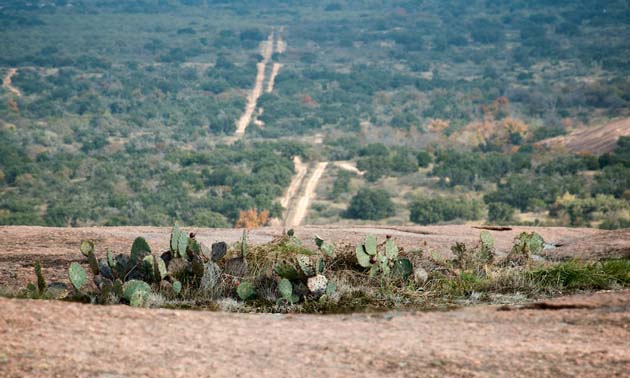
x=150 y=112
x=594 y=140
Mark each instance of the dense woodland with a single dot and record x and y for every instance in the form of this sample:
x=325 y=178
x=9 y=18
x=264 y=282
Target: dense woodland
x=126 y=107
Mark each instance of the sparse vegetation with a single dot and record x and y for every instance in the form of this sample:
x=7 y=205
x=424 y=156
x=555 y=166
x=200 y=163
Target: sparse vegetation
x=286 y=276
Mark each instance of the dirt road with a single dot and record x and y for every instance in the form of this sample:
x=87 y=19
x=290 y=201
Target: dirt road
x=296 y=214
x=57 y=339
x=8 y=84
x=272 y=78
x=296 y=181
x=266 y=50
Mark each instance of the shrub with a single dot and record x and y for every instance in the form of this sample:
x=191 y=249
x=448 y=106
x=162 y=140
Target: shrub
x=500 y=212
x=372 y=204
x=424 y=159
x=439 y=209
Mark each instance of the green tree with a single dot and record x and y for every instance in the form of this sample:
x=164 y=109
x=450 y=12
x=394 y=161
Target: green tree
x=370 y=204
x=429 y=210
x=500 y=212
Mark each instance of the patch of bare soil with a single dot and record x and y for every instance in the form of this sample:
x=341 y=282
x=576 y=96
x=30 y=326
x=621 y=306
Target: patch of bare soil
x=348 y=166
x=8 y=84
x=595 y=140
x=58 y=339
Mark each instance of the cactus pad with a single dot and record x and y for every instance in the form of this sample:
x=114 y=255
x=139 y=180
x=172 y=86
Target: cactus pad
x=306 y=265
x=370 y=245
x=319 y=241
x=218 y=251
x=182 y=244
x=245 y=291
x=403 y=268
x=133 y=286
x=362 y=257
x=139 y=250
x=317 y=285
x=391 y=249
x=77 y=275
x=86 y=247
x=177 y=287
x=285 y=288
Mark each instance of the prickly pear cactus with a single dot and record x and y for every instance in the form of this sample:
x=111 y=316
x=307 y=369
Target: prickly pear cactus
x=219 y=250
x=182 y=244
x=130 y=288
x=524 y=246
x=306 y=265
x=177 y=287
x=535 y=243
x=77 y=275
x=286 y=291
x=111 y=261
x=369 y=256
x=87 y=246
x=403 y=268
x=364 y=259
x=139 y=250
x=118 y=287
x=391 y=249
x=327 y=248
x=154 y=268
x=93 y=263
x=174 y=238
x=370 y=245
x=41 y=282
x=245 y=291
x=138 y=299
x=319 y=241
x=317 y=285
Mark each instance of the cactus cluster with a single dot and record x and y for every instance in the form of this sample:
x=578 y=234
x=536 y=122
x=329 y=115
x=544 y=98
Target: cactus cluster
x=382 y=259
x=525 y=245
x=302 y=272
x=133 y=277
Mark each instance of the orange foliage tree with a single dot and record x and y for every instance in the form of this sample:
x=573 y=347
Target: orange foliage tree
x=252 y=218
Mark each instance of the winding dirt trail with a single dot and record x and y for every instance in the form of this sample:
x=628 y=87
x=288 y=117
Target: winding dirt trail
x=8 y=84
x=266 y=50
x=296 y=215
